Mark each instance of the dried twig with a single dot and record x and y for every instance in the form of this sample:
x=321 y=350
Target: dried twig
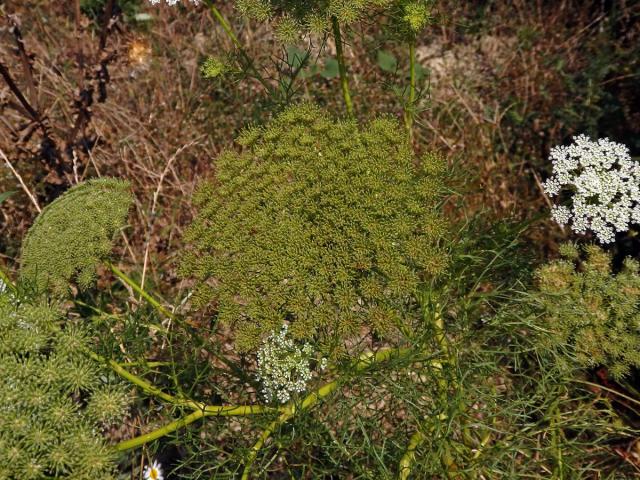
x=22 y=184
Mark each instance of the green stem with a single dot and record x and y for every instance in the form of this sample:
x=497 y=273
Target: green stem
x=160 y=432
x=206 y=411
x=410 y=107
x=344 y=81
x=406 y=462
x=410 y=455
x=366 y=361
x=145 y=386
x=555 y=433
x=226 y=26
x=200 y=409
x=128 y=281
x=144 y=363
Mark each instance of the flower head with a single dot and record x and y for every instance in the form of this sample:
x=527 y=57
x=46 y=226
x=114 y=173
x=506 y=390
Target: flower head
x=284 y=367
x=604 y=183
x=153 y=472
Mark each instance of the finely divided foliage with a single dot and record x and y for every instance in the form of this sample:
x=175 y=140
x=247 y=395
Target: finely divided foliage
x=319 y=223
x=73 y=234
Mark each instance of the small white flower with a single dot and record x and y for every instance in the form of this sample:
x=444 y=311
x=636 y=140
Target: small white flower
x=604 y=182
x=153 y=472
x=284 y=366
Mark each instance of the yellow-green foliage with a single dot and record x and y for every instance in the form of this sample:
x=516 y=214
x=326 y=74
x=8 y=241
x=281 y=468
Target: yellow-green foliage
x=319 y=223
x=309 y=15
x=595 y=311
x=73 y=234
x=52 y=401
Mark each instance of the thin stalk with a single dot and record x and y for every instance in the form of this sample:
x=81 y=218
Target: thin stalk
x=141 y=383
x=128 y=281
x=314 y=397
x=410 y=107
x=558 y=473
x=407 y=460
x=226 y=26
x=344 y=81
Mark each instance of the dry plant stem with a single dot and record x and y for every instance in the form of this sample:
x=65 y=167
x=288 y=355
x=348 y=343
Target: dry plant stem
x=366 y=360
x=22 y=184
x=410 y=107
x=344 y=80
x=154 y=206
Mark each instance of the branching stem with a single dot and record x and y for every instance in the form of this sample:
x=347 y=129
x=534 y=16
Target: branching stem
x=407 y=460
x=226 y=26
x=366 y=361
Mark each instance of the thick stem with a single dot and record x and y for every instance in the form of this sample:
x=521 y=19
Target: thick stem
x=410 y=455
x=314 y=397
x=344 y=81
x=407 y=460
x=206 y=411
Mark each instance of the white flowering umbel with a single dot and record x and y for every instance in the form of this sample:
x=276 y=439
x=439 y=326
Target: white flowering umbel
x=284 y=367
x=604 y=184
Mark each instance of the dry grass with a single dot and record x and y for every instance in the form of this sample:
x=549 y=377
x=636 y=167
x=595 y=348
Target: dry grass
x=492 y=106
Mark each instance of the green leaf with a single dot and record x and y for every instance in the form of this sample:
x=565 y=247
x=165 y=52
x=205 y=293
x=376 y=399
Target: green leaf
x=331 y=68
x=5 y=195
x=421 y=72
x=295 y=56
x=387 y=61
x=309 y=71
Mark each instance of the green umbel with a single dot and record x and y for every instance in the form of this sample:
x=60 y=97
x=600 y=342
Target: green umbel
x=53 y=401
x=319 y=223
x=594 y=311
x=73 y=234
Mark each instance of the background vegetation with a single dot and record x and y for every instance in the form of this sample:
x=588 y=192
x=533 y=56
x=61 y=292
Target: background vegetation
x=511 y=364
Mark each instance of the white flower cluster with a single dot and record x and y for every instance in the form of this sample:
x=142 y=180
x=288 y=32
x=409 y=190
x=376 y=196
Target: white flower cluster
x=172 y=2
x=605 y=185
x=284 y=367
